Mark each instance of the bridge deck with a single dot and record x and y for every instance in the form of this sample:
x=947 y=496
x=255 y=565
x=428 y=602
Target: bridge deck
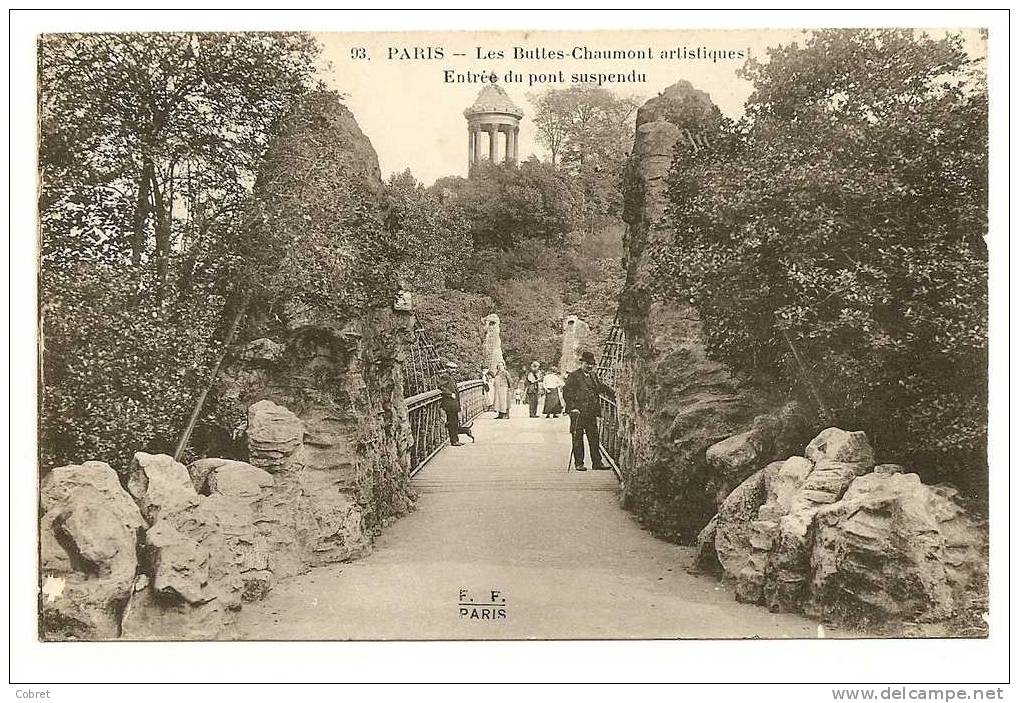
x=503 y=514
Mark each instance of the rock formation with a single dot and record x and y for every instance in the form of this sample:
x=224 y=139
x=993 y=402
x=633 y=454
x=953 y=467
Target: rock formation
x=834 y=536
x=676 y=403
x=88 y=538
x=323 y=465
x=576 y=338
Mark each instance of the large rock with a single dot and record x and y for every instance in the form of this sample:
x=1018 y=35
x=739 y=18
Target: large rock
x=838 y=445
x=741 y=455
x=894 y=549
x=180 y=564
x=274 y=434
x=261 y=352
x=706 y=559
x=160 y=485
x=239 y=480
x=88 y=552
x=205 y=561
x=732 y=537
x=777 y=568
x=674 y=402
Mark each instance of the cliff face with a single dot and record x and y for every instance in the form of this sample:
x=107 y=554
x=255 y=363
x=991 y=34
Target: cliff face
x=674 y=403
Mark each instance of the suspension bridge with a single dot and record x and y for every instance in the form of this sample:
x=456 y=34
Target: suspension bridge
x=507 y=542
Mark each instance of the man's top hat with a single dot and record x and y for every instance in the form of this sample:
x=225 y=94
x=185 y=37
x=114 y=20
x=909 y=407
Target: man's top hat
x=587 y=357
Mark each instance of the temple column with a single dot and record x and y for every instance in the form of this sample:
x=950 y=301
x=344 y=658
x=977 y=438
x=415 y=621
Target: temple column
x=516 y=145
x=477 y=144
x=493 y=143
x=470 y=146
x=507 y=154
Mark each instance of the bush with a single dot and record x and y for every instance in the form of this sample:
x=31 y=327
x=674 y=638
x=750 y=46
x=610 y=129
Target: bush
x=834 y=239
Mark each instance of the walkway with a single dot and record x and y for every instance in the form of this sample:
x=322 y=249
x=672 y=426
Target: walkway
x=504 y=515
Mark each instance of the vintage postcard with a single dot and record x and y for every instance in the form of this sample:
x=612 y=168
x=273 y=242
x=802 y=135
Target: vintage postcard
x=513 y=335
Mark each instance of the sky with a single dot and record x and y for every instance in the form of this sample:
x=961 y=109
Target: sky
x=411 y=109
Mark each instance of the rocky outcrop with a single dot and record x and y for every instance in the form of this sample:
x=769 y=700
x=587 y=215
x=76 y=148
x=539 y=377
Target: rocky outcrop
x=732 y=537
x=577 y=337
x=893 y=548
x=160 y=485
x=88 y=536
x=274 y=434
x=834 y=536
x=674 y=403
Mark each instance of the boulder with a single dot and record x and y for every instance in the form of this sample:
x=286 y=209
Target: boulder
x=782 y=484
x=88 y=552
x=274 y=434
x=261 y=352
x=740 y=455
x=777 y=567
x=239 y=480
x=160 y=485
x=732 y=539
x=894 y=549
x=199 y=471
x=706 y=559
x=63 y=483
x=838 y=445
x=180 y=564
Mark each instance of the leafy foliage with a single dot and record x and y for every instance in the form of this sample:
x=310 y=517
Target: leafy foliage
x=588 y=133
x=843 y=220
x=433 y=230
x=512 y=206
x=149 y=145
x=452 y=321
x=316 y=233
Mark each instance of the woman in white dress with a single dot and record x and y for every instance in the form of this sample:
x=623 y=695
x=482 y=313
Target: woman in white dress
x=553 y=384
x=501 y=384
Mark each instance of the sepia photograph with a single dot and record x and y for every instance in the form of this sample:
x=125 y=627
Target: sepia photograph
x=435 y=335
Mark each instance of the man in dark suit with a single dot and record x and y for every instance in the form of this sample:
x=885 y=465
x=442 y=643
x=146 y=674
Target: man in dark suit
x=582 y=396
x=450 y=404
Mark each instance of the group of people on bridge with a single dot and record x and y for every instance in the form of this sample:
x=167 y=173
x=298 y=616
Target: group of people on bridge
x=579 y=396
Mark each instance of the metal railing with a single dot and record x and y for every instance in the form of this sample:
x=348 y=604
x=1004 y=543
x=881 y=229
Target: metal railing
x=428 y=420
x=608 y=432
x=611 y=364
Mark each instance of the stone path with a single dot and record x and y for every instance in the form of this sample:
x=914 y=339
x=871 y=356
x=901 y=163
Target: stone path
x=504 y=515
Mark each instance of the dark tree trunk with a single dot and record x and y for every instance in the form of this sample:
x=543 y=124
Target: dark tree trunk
x=141 y=212
x=162 y=234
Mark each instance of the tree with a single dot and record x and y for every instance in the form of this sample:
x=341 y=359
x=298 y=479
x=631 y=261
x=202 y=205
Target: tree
x=148 y=148
x=433 y=230
x=161 y=132
x=589 y=133
x=509 y=205
x=835 y=239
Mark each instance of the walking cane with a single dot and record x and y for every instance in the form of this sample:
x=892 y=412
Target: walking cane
x=569 y=465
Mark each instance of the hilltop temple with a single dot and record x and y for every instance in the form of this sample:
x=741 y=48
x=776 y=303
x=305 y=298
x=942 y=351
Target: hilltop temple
x=493 y=113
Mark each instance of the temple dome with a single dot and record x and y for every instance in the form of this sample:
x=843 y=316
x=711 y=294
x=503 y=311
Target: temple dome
x=493 y=99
